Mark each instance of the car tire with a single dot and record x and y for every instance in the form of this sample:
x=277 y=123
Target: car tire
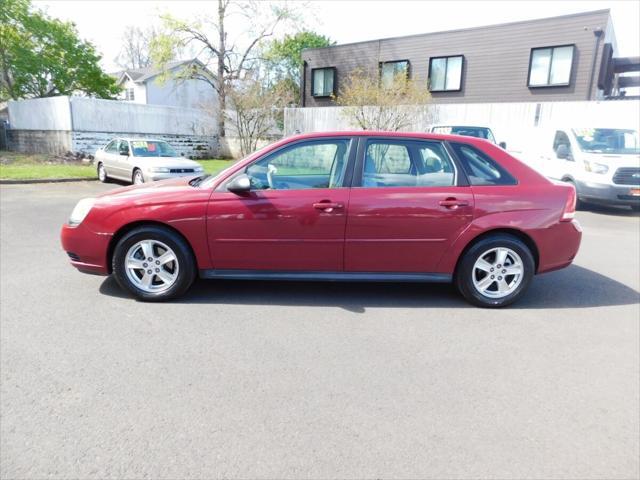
x=137 y=178
x=102 y=173
x=472 y=273
x=149 y=280
x=635 y=208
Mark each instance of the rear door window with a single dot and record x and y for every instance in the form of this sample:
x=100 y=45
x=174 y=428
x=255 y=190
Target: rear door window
x=391 y=163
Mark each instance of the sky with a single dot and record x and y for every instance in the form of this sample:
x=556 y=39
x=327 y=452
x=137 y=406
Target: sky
x=103 y=22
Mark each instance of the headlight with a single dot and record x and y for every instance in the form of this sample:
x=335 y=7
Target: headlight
x=81 y=210
x=198 y=169
x=595 y=167
x=159 y=170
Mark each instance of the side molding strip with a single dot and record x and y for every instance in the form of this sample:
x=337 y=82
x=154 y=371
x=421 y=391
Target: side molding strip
x=326 y=276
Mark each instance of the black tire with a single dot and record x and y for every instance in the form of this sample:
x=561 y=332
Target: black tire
x=635 y=208
x=104 y=178
x=133 y=176
x=464 y=271
x=184 y=257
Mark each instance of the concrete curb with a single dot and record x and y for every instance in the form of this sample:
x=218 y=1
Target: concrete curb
x=46 y=180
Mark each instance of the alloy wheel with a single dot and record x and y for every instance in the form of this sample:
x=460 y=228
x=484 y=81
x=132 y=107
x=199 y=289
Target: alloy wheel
x=138 y=179
x=152 y=266
x=497 y=272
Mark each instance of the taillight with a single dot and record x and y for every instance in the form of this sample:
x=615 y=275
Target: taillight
x=569 y=211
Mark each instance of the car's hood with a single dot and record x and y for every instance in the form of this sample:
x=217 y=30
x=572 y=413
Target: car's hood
x=169 y=162
x=148 y=192
x=614 y=160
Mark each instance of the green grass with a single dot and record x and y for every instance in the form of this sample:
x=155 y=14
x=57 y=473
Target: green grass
x=28 y=172
x=20 y=166
x=214 y=165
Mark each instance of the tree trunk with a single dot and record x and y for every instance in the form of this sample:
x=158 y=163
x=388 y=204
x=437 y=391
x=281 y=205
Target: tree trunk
x=222 y=94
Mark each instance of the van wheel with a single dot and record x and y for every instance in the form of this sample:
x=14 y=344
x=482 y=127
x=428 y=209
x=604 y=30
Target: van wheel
x=579 y=203
x=495 y=271
x=154 y=264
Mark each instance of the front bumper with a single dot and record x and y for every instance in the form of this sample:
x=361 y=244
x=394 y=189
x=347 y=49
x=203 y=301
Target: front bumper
x=608 y=193
x=155 y=176
x=87 y=250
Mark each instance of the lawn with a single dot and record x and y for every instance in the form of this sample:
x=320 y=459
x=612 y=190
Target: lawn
x=19 y=166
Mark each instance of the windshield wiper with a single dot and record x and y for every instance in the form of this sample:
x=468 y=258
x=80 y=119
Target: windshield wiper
x=198 y=180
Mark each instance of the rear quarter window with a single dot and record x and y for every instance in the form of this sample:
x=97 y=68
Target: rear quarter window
x=480 y=168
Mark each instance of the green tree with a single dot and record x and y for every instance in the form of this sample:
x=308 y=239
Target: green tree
x=371 y=104
x=284 y=57
x=42 y=56
x=224 y=60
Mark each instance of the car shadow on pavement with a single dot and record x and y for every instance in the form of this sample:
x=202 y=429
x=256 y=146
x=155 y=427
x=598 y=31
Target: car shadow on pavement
x=611 y=210
x=573 y=287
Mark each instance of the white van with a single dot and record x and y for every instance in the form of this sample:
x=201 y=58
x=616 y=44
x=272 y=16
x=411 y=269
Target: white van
x=602 y=163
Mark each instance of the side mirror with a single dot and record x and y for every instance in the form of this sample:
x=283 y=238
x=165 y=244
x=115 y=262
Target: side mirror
x=239 y=185
x=503 y=145
x=563 y=152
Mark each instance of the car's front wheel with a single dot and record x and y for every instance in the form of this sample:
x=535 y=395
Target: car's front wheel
x=102 y=173
x=495 y=271
x=154 y=263
x=138 y=178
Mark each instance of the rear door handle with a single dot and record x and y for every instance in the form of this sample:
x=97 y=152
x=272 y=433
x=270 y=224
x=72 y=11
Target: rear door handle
x=327 y=206
x=453 y=203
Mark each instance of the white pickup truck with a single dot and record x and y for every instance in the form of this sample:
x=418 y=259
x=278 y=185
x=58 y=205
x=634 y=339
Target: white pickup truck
x=602 y=163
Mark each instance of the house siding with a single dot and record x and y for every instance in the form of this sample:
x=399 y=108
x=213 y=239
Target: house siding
x=496 y=58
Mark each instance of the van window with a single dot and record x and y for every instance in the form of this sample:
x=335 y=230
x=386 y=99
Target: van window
x=560 y=138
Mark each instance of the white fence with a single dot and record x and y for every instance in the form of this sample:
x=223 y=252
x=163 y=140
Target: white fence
x=93 y=115
x=510 y=122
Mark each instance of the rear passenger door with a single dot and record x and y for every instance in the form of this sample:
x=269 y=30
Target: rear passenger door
x=407 y=205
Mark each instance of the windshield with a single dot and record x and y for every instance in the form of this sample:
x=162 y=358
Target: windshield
x=479 y=132
x=607 y=140
x=152 y=148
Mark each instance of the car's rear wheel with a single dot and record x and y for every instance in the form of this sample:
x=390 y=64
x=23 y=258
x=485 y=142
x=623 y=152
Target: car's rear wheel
x=102 y=173
x=495 y=271
x=154 y=263
x=138 y=178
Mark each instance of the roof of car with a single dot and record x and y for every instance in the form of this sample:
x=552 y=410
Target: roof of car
x=372 y=133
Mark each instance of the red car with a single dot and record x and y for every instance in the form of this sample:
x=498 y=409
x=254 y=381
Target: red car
x=357 y=206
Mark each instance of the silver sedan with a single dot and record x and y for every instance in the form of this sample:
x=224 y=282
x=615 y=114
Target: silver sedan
x=139 y=160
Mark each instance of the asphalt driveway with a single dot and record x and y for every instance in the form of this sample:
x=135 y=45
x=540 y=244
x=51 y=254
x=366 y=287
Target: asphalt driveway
x=285 y=380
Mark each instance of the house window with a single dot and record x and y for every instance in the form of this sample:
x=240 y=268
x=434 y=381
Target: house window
x=323 y=82
x=390 y=70
x=550 y=66
x=445 y=73
x=129 y=94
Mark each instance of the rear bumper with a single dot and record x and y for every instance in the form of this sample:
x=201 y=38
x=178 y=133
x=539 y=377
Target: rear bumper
x=557 y=245
x=608 y=193
x=87 y=250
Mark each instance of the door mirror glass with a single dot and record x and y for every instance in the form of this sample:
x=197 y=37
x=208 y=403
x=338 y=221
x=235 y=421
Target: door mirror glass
x=240 y=184
x=563 y=152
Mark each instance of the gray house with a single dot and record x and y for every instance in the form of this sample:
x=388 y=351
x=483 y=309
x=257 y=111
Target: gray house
x=559 y=58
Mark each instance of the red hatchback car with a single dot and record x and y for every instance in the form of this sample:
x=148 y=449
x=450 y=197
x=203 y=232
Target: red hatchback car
x=356 y=206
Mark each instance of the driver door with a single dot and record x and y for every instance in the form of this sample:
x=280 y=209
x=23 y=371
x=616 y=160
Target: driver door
x=294 y=216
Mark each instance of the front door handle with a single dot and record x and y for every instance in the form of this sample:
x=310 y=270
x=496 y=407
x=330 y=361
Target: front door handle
x=327 y=206
x=453 y=203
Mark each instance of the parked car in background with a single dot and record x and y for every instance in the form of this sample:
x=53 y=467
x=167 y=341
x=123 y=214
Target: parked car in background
x=478 y=132
x=358 y=206
x=603 y=164
x=139 y=160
